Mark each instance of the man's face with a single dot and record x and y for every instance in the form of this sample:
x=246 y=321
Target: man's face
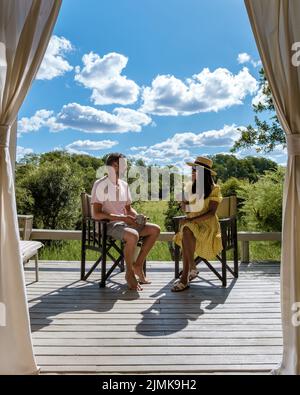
x=118 y=169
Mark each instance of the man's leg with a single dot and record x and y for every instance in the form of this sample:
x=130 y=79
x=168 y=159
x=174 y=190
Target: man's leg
x=131 y=238
x=150 y=234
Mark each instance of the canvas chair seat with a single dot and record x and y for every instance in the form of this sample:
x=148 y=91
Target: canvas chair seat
x=29 y=248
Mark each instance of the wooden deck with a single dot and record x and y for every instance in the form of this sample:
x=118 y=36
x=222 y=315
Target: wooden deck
x=79 y=328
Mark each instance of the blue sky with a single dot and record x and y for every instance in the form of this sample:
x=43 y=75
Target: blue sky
x=162 y=80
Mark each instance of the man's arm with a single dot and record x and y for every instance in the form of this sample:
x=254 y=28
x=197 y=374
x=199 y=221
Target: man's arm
x=130 y=210
x=99 y=215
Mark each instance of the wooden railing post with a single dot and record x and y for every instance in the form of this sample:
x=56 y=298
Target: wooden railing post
x=245 y=253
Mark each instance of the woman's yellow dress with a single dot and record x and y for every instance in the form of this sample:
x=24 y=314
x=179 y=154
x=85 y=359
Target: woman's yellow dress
x=208 y=232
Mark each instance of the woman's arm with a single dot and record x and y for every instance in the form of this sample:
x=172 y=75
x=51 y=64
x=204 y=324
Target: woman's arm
x=212 y=208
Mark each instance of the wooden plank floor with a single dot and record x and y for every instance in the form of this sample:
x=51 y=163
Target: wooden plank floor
x=79 y=328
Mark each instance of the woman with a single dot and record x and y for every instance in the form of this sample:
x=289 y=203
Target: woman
x=199 y=233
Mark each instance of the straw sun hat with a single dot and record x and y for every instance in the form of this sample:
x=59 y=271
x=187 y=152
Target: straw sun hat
x=204 y=162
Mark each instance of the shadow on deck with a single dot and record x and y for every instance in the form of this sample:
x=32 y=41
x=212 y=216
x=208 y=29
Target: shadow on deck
x=78 y=327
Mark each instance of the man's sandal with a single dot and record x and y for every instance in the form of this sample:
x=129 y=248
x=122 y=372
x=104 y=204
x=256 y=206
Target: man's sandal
x=179 y=286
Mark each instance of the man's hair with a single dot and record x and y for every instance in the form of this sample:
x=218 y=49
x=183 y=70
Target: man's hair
x=114 y=157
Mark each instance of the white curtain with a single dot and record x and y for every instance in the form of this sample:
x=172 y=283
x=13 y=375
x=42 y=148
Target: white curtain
x=276 y=27
x=25 y=30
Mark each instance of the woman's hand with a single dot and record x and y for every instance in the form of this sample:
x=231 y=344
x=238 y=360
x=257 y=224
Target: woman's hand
x=184 y=204
x=184 y=222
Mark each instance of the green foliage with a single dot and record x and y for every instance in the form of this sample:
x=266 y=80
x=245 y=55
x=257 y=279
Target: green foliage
x=262 y=207
x=230 y=187
x=264 y=135
x=173 y=210
x=25 y=201
x=49 y=186
x=250 y=168
x=55 y=191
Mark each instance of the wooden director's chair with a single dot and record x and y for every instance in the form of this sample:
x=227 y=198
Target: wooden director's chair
x=95 y=238
x=29 y=248
x=227 y=213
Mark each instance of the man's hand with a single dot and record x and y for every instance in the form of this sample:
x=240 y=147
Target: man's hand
x=130 y=220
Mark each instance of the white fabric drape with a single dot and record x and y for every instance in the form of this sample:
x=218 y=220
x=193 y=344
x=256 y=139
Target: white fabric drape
x=25 y=30
x=276 y=26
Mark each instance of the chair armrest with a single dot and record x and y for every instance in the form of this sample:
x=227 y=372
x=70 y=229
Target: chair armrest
x=226 y=220
x=25 y=216
x=176 y=221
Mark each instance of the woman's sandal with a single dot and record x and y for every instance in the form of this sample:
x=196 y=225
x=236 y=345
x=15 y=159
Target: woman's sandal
x=193 y=274
x=179 y=286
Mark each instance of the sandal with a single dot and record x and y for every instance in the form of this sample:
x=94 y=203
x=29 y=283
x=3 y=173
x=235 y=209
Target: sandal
x=193 y=274
x=179 y=286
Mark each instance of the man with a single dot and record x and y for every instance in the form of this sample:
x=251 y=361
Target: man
x=111 y=200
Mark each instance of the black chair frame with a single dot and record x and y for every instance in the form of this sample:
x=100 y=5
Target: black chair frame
x=95 y=238
x=229 y=241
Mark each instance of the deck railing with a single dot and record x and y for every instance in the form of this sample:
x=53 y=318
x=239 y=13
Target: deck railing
x=243 y=237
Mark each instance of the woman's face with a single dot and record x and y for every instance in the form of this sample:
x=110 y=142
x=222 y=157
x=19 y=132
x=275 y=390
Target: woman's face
x=194 y=173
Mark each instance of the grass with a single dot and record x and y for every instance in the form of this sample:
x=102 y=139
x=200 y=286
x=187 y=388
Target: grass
x=71 y=250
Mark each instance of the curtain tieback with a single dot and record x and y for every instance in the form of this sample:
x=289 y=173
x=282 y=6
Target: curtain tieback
x=293 y=143
x=4 y=136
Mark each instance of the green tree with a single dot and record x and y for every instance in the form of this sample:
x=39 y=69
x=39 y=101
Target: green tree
x=262 y=206
x=54 y=191
x=250 y=168
x=264 y=134
x=230 y=187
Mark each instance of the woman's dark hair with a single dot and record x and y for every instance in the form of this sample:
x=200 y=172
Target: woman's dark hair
x=114 y=157
x=208 y=183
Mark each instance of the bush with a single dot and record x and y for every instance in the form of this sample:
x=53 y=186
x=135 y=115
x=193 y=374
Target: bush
x=230 y=187
x=54 y=192
x=262 y=207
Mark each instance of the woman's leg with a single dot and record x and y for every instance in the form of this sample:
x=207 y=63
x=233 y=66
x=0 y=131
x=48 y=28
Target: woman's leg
x=188 y=252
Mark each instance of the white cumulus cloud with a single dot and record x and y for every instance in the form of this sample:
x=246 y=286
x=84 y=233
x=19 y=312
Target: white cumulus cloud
x=92 y=120
x=204 y=92
x=42 y=118
x=21 y=152
x=91 y=145
x=86 y=119
x=278 y=155
x=178 y=148
x=260 y=97
x=54 y=63
x=103 y=77
x=246 y=58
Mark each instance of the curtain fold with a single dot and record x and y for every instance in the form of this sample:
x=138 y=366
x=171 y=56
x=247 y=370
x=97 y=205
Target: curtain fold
x=276 y=27
x=25 y=30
